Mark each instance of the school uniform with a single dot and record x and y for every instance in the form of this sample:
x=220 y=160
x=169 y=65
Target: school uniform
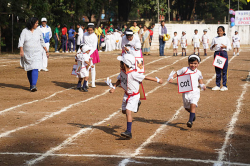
x=132 y=96
x=132 y=43
x=205 y=39
x=196 y=41
x=108 y=42
x=222 y=52
x=184 y=41
x=82 y=67
x=236 y=41
x=175 y=42
x=79 y=38
x=47 y=34
x=193 y=96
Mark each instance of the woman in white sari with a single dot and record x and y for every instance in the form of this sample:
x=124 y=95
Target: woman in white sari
x=146 y=41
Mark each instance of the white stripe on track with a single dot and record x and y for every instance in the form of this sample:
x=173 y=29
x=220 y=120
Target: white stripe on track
x=51 y=115
x=232 y=123
x=121 y=156
x=72 y=138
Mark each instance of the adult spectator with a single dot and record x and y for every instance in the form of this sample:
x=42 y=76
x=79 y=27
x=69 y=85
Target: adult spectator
x=31 y=45
x=151 y=34
x=47 y=34
x=57 y=37
x=79 y=37
x=145 y=41
x=64 y=38
x=162 y=31
x=71 y=38
x=135 y=29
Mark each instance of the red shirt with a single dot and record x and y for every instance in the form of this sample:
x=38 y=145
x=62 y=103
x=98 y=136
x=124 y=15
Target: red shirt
x=64 y=31
x=150 y=32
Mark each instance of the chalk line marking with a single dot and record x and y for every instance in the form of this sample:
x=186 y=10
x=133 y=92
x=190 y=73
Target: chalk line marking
x=34 y=101
x=232 y=123
x=72 y=138
x=121 y=156
x=52 y=115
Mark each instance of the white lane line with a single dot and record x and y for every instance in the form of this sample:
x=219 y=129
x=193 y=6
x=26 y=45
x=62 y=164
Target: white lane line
x=52 y=115
x=121 y=156
x=72 y=138
x=34 y=101
x=208 y=81
x=232 y=123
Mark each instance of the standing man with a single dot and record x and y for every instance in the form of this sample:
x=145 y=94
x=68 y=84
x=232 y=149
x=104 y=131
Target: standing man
x=79 y=38
x=56 y=37
x=47 y=34
x=71 y=39
x=162 y=31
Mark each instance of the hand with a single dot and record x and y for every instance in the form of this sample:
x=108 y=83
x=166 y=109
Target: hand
x=223 y=46
x=205 y=87
x=171 y=80
x=214 y=45
x=21 y=53
x=92 y=66
x=161 y=81
x=47 y=53
x=112 y=90
x=126 y=49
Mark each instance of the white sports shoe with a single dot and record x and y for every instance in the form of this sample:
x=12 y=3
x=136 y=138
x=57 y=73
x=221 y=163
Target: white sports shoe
x=223 y=88
x=67 y=52
x=234 y=53
x=57 y=52
x=100 y=51
x=238 y=54
x=216 y=88
x=46 y=69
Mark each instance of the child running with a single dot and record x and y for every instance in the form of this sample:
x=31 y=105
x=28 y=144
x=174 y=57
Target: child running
x=205 y=41
x=131 y=96
x=175 y=42
x=196 y=41
x=183 y=42
x=190 y=99
x=236 y=43
x=83 y=65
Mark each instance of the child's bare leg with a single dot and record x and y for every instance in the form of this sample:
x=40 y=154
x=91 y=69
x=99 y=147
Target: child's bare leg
x=234 y=51
x=238 y=50
x=198 y=49
x=194 y=50
x=187 y=109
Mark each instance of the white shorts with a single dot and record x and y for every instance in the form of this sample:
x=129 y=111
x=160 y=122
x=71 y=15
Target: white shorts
x=175 y=46
x=183 y=46
x=236 y=45
x=196 y=45
x=205 y=46
x=132 y=104
x=191 y=98
x=83 y=73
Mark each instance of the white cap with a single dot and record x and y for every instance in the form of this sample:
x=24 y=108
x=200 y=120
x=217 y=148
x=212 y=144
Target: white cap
x=129 y=32
x=128 y=59
x=91 y=24
x=85 y=48
x=205 y=30
x=44 y=19
x=137 y=46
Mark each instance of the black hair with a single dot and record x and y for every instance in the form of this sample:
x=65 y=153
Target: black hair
x=193 y=59
x=121 y=62
x=71 y=27
x=223 y=29
x=162 y=22
x=31 y=22
x=64 y=25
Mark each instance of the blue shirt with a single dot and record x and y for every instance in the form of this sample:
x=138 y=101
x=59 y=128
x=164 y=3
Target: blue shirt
x=71 y=32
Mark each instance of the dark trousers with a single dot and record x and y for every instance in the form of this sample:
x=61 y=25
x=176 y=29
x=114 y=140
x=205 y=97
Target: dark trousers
x=162 y=45
x=71 y=40
x=64 y=42
x=151 y=37
x=77 y=47
x=223 y=71
x=56 y=42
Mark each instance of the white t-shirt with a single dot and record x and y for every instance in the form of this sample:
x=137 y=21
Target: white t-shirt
x=183 y=39
x=83 y=57
x=175 y=40
x=205 y=39
x=219 y=41
x=195 y=76
x=132 y=43
x=133 y=80
x=236 y=39
x=196 y=38
x=91 y=40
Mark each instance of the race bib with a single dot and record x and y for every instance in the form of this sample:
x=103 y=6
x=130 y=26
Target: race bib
x=184 y=83
x=124 y=80
x=74 y=70
x=139 y=65
x=219 y=61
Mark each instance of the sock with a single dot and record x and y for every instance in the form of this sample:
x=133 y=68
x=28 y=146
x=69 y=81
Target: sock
x=84 y=84
x=185 y=54
x=198 y=54
x=79 y=84
x=176 y=54
x=191 y=117
x=182 y=53
x=34 y=76
x=129 y=126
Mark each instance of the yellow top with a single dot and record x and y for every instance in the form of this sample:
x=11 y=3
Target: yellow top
x=135 y=29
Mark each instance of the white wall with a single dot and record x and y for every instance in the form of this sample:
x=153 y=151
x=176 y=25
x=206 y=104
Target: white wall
x=244 y=32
